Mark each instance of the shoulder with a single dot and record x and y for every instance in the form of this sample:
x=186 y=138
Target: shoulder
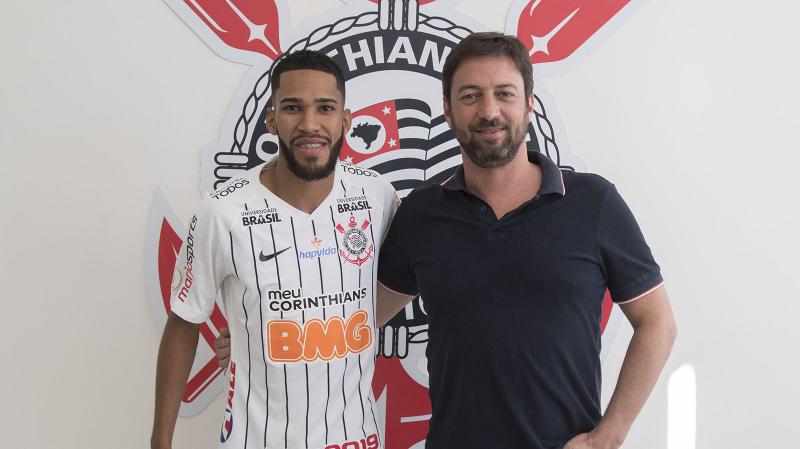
x=585 y=185
x=424 y=198
x=424 y=193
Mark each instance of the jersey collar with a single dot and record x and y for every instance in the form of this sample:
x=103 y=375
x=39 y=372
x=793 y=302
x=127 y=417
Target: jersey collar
x=552 y=178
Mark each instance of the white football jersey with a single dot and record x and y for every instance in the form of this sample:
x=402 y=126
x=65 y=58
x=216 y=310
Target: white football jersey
x=299 y=294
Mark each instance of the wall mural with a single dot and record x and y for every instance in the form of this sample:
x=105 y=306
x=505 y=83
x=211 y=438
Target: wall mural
x=391 y=53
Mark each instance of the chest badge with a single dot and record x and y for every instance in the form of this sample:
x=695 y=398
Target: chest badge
x=356 y=247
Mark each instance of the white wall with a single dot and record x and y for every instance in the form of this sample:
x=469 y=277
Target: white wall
x=690 y=108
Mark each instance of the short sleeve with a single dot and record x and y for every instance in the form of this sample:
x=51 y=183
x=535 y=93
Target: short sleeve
x=200 y=268
x=628 y=264
x=394 y=266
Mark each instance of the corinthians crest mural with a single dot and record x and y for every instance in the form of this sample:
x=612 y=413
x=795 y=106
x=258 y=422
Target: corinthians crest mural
x=392 y=53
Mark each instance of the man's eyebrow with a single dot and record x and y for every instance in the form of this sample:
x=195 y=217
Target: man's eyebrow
x=469 y=86
x=317 y=100
x=476 y=87
x=506 y=86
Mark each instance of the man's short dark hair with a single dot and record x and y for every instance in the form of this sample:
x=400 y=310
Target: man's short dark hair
x=307 y=60
x=488 y=44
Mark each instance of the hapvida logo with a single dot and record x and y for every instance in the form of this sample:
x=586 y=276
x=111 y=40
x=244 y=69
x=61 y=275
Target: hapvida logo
x=317 y=253
x=316 y=242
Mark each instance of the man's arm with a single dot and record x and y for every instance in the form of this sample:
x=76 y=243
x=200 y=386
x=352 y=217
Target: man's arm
x=389 y=303
x=654 y=331
x=175 y=357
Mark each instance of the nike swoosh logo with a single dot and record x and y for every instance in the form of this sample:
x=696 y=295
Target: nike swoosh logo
x=264 y=258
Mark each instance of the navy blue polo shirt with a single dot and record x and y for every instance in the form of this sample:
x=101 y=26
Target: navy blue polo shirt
x=514 y=305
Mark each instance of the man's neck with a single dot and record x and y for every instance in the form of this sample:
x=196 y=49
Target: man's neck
x=303 y=195
x=504 y=188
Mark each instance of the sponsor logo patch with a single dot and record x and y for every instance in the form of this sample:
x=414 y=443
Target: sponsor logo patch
x=353 y=204
x=227 y=423
x=293 y=299
x=318 y=251
x=267 y=257
x=260 y=216
x=187 y=269
x=319 y=340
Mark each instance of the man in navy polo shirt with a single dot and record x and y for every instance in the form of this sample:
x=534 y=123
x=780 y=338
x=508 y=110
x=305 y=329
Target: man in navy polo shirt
x=512 y=257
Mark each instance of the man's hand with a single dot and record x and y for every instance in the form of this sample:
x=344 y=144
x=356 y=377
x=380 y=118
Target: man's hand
x=591 y=440
x=223 y=345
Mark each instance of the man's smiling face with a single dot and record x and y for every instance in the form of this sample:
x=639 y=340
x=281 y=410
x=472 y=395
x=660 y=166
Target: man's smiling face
x=310 y=121
x=488 y=110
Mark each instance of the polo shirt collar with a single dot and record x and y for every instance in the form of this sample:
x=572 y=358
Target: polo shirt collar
x=552 y=178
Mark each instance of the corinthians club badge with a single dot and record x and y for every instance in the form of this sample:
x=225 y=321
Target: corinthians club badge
x=356 y=247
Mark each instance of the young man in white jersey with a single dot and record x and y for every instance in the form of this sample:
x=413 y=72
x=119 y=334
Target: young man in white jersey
x=292 y=245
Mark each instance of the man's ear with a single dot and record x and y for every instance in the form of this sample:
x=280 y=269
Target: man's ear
x=272 y=127
x=347 y=119
x=446 y=109
x=531 y=103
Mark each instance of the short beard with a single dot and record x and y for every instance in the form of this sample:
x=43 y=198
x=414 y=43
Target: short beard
x=492 y=156
x=311 y=173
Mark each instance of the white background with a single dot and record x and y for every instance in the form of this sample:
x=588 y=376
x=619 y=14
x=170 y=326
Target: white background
x=690 y=108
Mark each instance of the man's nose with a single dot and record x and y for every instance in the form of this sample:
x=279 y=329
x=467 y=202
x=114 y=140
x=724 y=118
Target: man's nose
x=309 y=122
x=488 y=107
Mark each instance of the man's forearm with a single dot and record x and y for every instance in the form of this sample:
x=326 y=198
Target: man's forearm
x=645 y=358
x=175 y=357
x=389 y=303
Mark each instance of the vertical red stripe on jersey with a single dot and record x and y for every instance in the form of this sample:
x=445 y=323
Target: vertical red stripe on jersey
x=358 y=145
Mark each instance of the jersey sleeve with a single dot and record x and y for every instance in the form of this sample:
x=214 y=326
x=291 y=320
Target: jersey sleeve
x=201 y=266
x=394 y=266
x=628 y=264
